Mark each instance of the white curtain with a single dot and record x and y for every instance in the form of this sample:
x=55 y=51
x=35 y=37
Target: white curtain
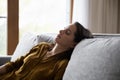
x=101 y=16
x=80 y=11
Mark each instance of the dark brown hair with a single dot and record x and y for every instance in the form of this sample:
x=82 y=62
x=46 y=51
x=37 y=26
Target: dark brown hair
x=81 y=33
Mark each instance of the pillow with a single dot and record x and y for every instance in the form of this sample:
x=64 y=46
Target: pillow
x=95 y=59
x=46 y=37
x=28 y=41
x=25 y=44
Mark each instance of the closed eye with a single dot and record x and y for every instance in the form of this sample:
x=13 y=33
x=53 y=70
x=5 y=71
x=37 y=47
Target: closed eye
x=67 y=31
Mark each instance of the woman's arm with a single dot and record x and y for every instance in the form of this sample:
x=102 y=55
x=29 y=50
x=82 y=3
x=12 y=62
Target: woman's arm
x=2 y=69
x=9 y=66
x=17 y=64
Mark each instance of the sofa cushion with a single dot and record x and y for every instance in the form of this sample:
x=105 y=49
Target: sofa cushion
x=4 y=59
x=27 y=41
x=46 y=37
x=95 y=59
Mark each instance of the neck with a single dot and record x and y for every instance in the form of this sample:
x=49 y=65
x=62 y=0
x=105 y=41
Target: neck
x=58 y=49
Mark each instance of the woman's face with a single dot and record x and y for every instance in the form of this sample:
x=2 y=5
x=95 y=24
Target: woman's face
x=65 y=37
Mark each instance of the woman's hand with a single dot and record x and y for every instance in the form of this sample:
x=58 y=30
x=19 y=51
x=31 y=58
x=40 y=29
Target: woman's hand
x=2 y=69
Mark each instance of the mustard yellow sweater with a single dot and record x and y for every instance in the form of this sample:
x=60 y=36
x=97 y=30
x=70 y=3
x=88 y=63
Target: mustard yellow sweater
x=33 y=67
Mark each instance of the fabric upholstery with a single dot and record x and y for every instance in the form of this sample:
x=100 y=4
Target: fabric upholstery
x=4 y=59
x=95 y=59
x=25 y=44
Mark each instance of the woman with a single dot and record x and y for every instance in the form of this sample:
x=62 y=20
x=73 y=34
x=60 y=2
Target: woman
x=45 y=62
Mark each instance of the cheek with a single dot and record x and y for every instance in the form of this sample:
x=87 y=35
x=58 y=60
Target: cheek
x=61 y=41
x=68 y=38
x=64 y=39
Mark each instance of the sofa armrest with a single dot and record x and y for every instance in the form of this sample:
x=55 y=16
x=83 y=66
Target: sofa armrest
x=4 y=59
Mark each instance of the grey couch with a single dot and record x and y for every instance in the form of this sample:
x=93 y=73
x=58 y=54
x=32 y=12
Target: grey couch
x=92 y=59
x=4 y=59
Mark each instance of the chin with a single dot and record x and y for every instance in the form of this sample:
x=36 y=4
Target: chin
x=57 y=41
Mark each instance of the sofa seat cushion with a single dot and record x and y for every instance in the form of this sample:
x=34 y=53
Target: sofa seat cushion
x=95 y=59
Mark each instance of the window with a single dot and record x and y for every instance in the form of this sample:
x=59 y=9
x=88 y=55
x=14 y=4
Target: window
x=3 y=27
x=34 y=16
x=41 y=16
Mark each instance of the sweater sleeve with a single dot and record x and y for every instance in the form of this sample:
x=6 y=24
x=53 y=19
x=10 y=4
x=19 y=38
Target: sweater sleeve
x=61 y=70
x=18 y=63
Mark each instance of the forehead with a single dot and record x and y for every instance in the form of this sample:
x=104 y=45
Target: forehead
x=72 y=27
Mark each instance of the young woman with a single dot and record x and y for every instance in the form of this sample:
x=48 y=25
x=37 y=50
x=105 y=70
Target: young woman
x=45 y=62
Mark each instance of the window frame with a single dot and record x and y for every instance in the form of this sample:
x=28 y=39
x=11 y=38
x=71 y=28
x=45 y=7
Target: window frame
x=12 y=25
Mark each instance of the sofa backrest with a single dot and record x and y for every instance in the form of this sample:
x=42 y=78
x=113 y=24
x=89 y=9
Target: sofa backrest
x=95 y=59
